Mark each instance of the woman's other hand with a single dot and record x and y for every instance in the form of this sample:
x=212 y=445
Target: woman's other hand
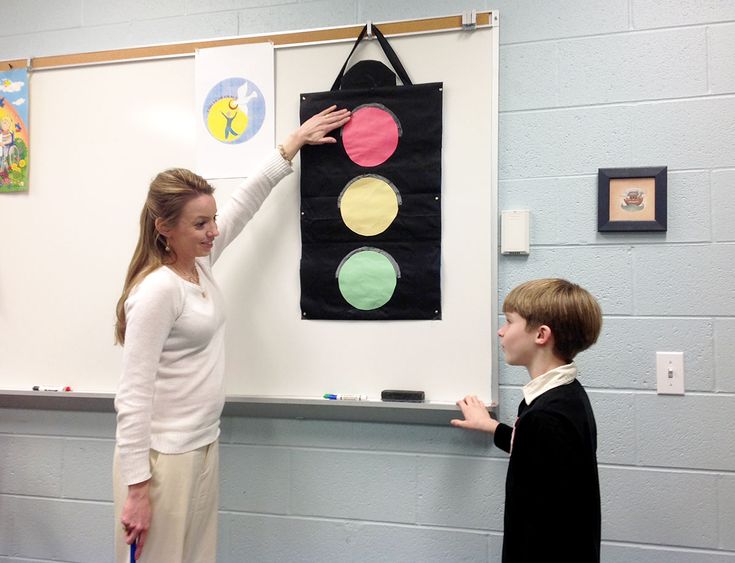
x=136 y=516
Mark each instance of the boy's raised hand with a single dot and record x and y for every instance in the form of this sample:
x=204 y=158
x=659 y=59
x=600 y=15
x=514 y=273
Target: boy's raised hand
x=476 y=416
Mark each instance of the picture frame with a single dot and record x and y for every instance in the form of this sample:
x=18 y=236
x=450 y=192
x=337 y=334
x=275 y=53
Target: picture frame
x=631 y=199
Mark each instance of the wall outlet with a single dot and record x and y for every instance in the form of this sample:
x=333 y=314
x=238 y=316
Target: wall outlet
x=670 y=373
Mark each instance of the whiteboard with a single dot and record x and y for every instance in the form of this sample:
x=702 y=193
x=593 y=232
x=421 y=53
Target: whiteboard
x=98 y=136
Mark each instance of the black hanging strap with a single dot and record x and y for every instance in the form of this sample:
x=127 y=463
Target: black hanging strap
x=387 y=49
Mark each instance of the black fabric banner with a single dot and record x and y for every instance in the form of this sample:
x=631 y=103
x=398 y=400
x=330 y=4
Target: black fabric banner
x=371 y=203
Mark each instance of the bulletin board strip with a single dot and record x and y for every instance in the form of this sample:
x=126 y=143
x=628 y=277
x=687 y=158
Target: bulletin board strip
x=446 y=23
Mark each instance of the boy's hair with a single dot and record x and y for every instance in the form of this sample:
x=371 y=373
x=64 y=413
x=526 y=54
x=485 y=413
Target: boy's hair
x=574 y=316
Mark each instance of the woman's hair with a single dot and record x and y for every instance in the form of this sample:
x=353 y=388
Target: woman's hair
x=169 y=192
x=574 y=316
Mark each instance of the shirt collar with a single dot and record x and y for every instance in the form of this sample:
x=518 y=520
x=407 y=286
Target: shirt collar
x=551 y=379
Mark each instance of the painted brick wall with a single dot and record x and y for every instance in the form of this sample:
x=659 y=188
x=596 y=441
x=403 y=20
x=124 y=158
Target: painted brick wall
x=584 y=85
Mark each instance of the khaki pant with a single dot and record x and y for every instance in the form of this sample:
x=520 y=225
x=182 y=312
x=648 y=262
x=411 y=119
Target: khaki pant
x=184 y=495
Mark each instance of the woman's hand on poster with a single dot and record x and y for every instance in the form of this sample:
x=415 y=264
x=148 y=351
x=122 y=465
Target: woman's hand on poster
x=315 y=130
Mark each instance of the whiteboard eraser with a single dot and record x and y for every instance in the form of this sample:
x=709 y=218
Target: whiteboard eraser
x=515 y=231
x=402 y=396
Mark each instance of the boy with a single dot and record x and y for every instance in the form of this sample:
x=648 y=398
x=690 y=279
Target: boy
x=7 y=139
x=552 y=492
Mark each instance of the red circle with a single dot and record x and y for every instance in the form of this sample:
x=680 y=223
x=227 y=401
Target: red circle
x=370 y=136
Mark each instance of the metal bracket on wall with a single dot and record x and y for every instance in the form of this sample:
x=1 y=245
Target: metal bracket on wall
x=469 y=20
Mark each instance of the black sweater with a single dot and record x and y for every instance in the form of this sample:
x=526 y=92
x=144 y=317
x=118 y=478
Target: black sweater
x=552 y=491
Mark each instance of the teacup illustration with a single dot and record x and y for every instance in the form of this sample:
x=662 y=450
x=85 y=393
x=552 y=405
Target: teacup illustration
x=633 y=197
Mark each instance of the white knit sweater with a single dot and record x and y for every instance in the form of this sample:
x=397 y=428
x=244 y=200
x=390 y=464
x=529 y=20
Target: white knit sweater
x=171 y=391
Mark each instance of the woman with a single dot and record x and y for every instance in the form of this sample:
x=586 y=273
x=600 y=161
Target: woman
x=170 y=321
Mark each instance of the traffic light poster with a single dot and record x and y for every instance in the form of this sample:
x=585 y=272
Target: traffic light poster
x=14 y=141
x=371 y=207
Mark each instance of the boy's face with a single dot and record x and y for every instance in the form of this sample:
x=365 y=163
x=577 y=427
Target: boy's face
x=518 y=344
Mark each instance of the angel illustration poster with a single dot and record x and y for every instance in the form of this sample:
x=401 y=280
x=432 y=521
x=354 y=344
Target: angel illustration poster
x=14 y=130
x=235 y=109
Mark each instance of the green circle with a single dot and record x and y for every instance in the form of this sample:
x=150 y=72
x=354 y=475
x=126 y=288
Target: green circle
x=367 y=279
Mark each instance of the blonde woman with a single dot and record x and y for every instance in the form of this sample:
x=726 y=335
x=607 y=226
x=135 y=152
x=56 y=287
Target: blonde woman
x=170 y=322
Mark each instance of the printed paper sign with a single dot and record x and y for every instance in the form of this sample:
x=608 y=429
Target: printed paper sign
x=235 y=109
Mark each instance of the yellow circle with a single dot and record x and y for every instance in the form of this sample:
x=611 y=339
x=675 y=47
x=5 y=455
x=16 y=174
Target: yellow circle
x=225 y=123
x=369 y=205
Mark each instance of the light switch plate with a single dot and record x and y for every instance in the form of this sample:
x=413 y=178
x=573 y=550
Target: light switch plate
x=670 y=373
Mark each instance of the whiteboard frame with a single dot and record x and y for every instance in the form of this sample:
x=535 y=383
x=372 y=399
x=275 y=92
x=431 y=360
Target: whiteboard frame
x=283 y=400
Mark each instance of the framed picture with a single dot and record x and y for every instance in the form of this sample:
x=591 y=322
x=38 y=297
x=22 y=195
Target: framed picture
x=631 y=199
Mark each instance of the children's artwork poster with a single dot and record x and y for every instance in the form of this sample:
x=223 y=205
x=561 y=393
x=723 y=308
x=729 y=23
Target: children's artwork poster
x=235 y=109
x=14 y=130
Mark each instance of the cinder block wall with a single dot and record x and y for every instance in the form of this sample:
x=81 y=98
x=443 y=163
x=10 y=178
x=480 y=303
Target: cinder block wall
x=583 y=85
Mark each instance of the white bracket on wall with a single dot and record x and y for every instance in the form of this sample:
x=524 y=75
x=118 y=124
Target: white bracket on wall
x=469 y=20
x=515 y=231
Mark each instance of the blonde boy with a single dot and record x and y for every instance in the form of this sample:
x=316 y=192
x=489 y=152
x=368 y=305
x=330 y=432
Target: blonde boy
x=552 y=492
x=7 y=138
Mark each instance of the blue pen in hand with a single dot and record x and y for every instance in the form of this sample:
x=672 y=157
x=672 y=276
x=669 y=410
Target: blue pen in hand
x=132 y=552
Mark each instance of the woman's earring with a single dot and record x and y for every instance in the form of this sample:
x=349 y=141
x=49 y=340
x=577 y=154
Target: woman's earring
x=167 y=248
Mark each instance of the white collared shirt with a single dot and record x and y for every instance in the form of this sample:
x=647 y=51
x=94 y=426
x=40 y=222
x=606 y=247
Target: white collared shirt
x=553 y=378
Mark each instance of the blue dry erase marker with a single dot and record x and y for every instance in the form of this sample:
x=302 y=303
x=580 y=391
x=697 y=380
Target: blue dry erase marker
x=335 y=397
x=132 y=552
